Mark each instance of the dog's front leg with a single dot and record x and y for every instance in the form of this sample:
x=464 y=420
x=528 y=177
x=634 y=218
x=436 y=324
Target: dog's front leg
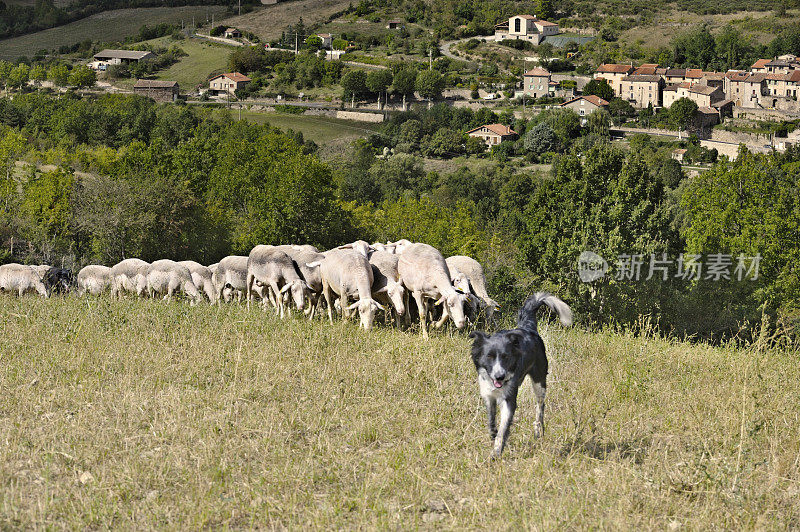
x=490 y=400
x=491 y=414
x=507 y=408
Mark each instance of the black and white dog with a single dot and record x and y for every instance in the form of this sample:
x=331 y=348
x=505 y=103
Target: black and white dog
x=506 y=357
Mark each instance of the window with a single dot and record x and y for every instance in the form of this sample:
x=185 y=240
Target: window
x=516 y=25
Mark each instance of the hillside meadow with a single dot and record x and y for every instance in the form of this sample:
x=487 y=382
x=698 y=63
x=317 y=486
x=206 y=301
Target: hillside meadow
x=109 y=26
x=144 y=414
x=202 y=59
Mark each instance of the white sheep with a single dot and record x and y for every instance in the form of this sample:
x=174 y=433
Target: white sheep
x=425 y=274
x=94 y=279
x=347 y=273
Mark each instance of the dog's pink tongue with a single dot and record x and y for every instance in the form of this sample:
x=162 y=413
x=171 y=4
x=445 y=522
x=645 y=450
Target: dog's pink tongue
x=498 y=384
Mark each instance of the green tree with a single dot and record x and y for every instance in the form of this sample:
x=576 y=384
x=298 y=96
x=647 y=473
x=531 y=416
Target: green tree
x=599 y=123
x=47 y=209
x=444 y=143
x=5 y=70
x=38 y=73
x=451 y=229
x=397 y=175
x=620 y=110
x=378 y=81
x=18 y=76
x=248 y=59
x=58 y=74
x=314 y=42
x=354 y=84
x=694 y=48
x=681 y=112
x=339 y=44
x=270 y=192
x=12 y=146
x=732 y=49
x=410 y=133
x=429 y=84
x=599 y=87
x=607 y=203
x=404 y=83
x=541 y=139
x=82 y=76
x=748 y=206
x=565 y=123
x=544 y=9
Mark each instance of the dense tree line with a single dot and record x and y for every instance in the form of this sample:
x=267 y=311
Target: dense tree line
x=97 y=180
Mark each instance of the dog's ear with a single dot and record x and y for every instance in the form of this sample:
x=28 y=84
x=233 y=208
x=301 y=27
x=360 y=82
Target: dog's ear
x=515 y=339
x=478 y=337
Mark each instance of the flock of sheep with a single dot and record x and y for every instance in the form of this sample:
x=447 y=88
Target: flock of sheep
x=375 y=277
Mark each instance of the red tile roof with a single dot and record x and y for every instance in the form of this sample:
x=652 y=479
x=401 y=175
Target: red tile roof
x=705 y=90
x=598 y=101
x=642 y=78
x=694 y=73
x=498 y=129
x=761 y=63
x=545 y=23
x=538 y=72
x=233 y=76
x=645 y=70
x=615 y=68
x=526 y=17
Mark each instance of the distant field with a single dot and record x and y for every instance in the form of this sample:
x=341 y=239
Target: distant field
x=320 y=129
x=269 y=21
x=759 y=25
x=140 y=414
x=108 y=26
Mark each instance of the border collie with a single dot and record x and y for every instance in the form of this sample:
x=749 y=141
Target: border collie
x=506 y=357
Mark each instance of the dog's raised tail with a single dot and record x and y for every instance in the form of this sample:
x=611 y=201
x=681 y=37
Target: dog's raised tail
x=526 y=319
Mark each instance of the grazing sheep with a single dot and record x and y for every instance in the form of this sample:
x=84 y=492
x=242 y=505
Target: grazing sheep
x=425 y=274
x=386 y=285
x=20 y=278
x=458 y=279
x=167 y=277
x=269 y=267
x=347 y=273
x=129 y=275
x=400 y=246
x=302 y=256
x=308 y=248
x=230 y=278
x=202 y=278
x=94 y=279
x=476 y=281
x=360 y=247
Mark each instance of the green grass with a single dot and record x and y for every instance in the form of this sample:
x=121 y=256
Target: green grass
x=143 y=414
x=203 y=58
x=320 y=129
x=108 y=26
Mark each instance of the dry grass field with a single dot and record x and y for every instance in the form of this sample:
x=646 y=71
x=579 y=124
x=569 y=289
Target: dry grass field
x=142 y=414
x=760 y=26
x=108 y=26
x=269 y=21
x=320 y=129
